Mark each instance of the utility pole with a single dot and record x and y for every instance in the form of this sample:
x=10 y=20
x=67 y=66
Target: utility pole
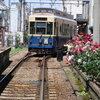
x=78 y=3
x=9 y=17
x=96 y=21
x=70 y=8
x=30 y=9
x=20 y=15
x=40 y=3
x=63 y=4
x=24 y=15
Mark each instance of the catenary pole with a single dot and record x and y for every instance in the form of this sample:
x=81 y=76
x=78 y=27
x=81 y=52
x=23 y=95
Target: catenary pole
x=24 y=16
x=20 y=21
x=9 y=17
x=24 y=19
x=63 y=4
x=30 y=9
x=96 y=21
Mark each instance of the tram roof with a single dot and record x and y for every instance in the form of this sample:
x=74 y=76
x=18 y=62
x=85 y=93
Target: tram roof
x=53 y=11
x=52 y=16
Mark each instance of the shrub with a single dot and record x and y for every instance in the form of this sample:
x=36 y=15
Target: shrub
x=85 y=55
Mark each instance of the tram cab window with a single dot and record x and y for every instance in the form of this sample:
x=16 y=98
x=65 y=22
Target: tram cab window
x=32 y=27
x=49 y=28
x=50 y=11
x=40 y=27
x=43 y=11
x=37 y=11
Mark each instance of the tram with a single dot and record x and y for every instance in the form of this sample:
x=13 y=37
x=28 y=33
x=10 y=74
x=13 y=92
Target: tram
x=49 y=29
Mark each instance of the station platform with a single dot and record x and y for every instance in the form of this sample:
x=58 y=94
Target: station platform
x=4 y=56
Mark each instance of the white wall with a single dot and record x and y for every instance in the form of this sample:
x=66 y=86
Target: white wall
x=14 y=18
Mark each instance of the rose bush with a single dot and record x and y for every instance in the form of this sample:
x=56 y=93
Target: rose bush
x=85 y=55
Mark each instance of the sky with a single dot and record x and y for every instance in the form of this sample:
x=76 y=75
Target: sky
x=70 y=8
x=48 y=5
x=73 y=8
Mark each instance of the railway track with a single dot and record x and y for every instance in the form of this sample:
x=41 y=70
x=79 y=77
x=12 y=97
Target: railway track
x=35 y=78
x=14 y=83
x=17 y=86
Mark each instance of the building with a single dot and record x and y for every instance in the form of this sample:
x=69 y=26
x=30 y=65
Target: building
x=81 y=11
x=73 y=7
x=19 y=14
x=2 y=14
x=14 y=18
x=2 y=22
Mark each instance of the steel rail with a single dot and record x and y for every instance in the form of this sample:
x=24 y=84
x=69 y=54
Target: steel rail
x=42 y=83
x=14 y=68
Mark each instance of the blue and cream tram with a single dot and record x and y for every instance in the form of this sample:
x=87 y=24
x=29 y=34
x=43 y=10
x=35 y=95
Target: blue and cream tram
x=49 y=29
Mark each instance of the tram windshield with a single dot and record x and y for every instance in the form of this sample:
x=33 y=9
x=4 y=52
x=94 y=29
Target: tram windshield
x=32 y=27
x=49 y=28
x=41 y=27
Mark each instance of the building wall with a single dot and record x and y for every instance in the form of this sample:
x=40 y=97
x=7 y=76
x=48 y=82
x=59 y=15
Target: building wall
x=2 y=16
x=14 y=18
x=73 y=8
x=16 y=22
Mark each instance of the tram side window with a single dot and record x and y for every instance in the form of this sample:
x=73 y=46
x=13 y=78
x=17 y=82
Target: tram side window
x=43 y=11
x=64 y=29
x=37 y=11
x=49 y=28
x=71 y=31
x=75 y=28
x=60 y=28
x=50 y=11
x=68 y=30
x=55 y=28
x=32 y=27
x=40 y=27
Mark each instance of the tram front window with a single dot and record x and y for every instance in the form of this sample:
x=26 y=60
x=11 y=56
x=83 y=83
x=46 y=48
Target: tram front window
x=49 y=28
x=32 y=27
x=40 y=27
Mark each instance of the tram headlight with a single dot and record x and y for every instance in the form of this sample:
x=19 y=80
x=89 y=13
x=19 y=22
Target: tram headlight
x=30 y=42
x=51 y=43
x=40 y=41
